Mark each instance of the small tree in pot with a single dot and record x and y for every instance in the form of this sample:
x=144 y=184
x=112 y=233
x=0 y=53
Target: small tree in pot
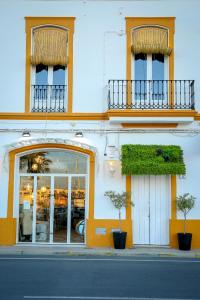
x=119 y=200
x=184 y=204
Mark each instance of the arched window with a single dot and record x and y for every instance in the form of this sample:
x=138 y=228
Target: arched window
x=52 y=196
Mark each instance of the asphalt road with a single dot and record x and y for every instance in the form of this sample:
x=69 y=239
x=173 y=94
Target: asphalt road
x=98 y=278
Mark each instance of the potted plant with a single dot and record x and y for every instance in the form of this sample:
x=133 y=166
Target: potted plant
x=119 y=200
x=184 y=204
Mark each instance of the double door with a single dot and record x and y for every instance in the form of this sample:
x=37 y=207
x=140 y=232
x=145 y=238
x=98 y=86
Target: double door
x=52 y=208
x=151 y=211
x=150 y=79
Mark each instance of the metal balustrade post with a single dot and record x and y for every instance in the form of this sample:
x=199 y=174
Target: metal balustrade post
x=151 y=94
x=192 y=95
x=123 y=94
x=48 y=98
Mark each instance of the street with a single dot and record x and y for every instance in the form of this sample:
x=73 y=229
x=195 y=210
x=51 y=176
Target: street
x=89 y=277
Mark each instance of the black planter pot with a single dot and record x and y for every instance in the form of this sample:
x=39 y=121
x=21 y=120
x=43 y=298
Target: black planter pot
x=119 y=239
x=184 y=241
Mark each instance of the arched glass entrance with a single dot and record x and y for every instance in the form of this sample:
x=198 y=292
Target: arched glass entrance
x=52 y=196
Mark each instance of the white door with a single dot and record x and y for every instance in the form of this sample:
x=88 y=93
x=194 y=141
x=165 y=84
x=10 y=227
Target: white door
x=151 y=211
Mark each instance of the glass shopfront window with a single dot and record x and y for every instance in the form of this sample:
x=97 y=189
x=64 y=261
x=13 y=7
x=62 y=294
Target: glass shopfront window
x=52 y=197
x=62 y=162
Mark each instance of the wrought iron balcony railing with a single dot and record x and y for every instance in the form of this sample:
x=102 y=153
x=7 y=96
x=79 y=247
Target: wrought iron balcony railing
x=49 y=98
x=151 y=94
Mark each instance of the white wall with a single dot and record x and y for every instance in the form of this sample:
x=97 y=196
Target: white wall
x=99 y=45
x=99 y=55
x=103 y=180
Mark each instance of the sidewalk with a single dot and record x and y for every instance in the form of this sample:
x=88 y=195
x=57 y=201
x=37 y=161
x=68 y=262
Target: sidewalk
x=75 y=250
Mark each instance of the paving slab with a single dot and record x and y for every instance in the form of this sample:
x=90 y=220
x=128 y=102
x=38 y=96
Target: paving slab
x=69 y=250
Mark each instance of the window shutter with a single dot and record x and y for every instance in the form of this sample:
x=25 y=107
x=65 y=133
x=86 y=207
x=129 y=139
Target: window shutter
x=150 y=40
x=49 y=46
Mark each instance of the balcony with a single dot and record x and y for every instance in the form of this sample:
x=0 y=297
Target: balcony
x=49 y=98
x=151 y=95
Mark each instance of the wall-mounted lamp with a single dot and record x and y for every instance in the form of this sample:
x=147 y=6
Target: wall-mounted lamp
x=112 y=166
x=112 y=159
x=79 y=134
x=26 y=133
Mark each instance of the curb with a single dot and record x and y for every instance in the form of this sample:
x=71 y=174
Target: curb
x=47 y=251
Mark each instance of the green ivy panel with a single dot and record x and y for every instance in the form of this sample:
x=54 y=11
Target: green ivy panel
x=152 y=160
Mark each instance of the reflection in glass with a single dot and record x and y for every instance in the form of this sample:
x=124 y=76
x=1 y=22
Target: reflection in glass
x=60 y=209
x=37 y=162
x=26 y=208
x=53 y=161
x=158 y=74
x=78 y=210
x=43 y=208
x=41 y=75
x=140 y=76
x=58 y=75
x=157 y=66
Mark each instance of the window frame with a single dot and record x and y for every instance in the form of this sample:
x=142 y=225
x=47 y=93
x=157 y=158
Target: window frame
x=164 y=22
x=150 y=67
x=31 y=24
x=49 y=75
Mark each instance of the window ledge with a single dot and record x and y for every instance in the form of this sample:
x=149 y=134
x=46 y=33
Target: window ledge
x=152 y=120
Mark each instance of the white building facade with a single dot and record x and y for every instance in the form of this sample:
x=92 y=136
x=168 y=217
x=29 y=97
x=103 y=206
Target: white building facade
x=80 y=80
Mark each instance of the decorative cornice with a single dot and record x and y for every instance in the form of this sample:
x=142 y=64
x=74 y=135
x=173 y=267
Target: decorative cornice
x=39 y=141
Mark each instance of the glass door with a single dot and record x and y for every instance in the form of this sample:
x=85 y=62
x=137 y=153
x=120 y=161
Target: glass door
x=52 y=209
x=150 y=80
x=26 y=203
x=78 y=196
x=43 y=205
x=60 y=203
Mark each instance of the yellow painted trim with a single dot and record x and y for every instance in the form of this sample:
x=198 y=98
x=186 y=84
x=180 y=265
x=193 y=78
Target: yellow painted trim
x=91 y=186
x=98 y=116
x=132 y=22
x=128 y=190
x=149 y=125
x=173 y=197
x=12 y=156
x=197 y=117
x=53 y=116
x=129 y=211
x=193 y=226
x=106 y=240
x=150 y=113
x=7 y=231
x=31 y=22
x=11 y=184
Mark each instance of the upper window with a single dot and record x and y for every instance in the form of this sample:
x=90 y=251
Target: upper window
x=49 y=64
x=150 y=73
x=150 y=64
x=49 y=69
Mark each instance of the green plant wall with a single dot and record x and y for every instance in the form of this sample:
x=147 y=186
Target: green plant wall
x=152 y=160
